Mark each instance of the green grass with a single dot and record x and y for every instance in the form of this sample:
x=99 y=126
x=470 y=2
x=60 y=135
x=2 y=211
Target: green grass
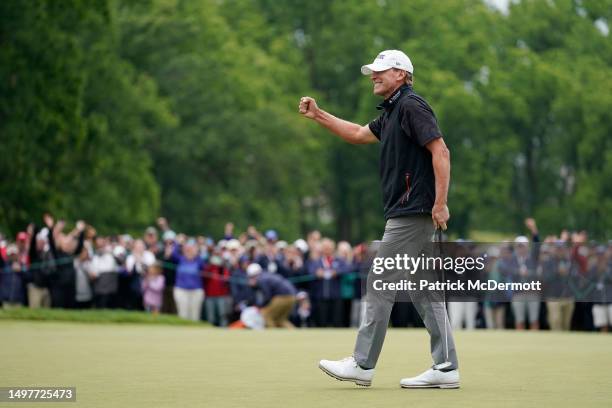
x=172 y=366
x=490 y=236
x=93 y=316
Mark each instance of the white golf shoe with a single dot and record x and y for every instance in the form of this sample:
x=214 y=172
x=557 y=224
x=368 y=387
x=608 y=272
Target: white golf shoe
x=347 y=369
x=433 y=379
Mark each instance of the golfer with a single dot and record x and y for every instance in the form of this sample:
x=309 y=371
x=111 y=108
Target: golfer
x=415 y=174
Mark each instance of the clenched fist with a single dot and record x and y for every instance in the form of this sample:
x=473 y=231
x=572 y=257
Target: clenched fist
x=308 y=107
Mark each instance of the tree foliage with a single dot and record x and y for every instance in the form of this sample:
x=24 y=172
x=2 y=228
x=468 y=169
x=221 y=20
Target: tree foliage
x=117 y=112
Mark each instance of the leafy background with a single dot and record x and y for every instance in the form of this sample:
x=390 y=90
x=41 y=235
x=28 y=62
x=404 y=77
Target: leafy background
x=119 y=111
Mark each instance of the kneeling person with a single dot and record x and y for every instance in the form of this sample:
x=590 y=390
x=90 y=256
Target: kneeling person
x=278 y=296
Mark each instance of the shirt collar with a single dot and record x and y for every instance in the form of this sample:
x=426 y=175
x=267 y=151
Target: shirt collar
x=388 y=103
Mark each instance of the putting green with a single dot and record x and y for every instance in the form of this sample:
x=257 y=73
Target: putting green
x=117 y=365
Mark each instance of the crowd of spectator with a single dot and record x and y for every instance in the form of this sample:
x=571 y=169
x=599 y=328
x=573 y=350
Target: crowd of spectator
x=312 y=282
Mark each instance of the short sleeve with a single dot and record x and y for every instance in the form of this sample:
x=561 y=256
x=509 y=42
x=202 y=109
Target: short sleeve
x=376 y=126
x=419 y=121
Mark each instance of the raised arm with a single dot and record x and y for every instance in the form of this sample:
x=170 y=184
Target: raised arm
x=32 y=252
x=350 y=132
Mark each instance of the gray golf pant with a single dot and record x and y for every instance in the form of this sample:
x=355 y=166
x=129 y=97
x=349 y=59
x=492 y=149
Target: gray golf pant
x=411 y=235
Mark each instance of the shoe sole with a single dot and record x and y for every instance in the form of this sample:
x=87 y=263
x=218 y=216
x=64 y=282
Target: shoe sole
x=442 y=386
x=361 y=383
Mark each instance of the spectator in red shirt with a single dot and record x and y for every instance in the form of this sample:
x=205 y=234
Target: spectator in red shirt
x=22 y=245
x=218 y=302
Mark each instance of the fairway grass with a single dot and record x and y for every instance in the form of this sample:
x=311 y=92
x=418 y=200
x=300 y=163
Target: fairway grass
x=125 y=365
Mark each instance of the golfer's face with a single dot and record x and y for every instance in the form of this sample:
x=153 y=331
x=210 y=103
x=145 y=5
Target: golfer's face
x=384 y=82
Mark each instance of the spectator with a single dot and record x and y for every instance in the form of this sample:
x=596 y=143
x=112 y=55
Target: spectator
x=293 y=268
x=278 y=296
x=104 y=270
x=218 y=301
x=84 y=276
x=41 y=268
x=359 y=268
x=136 y=265
x=325 y=289
x=270 y=259
x=203 y=245
x=2 y=246
x=151 y=239
x=523 y=267
x=582 y=284
x=464 y=309
x=494 y=309
x=558 y=270
x=252 y=234
x=301 y=317
x=22 y=247
x=153 y=288
x=573 y=271
x=188 y=292
x=242 y=293
x=169 y=270
x=64 y=247
x=313 y=240
x=228 y=231
x=602 y=274
x=347 y=287
x=12 y=278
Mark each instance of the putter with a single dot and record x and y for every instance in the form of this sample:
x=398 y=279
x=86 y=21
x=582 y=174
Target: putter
x=438 y=238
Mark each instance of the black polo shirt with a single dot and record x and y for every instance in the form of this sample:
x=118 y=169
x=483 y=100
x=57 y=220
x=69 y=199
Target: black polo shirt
x=405 y=126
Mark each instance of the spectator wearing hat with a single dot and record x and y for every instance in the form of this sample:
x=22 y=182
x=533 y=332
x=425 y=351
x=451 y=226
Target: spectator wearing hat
x=270 y=260
x=12 y=279
x=188 y=289
x=301 y=317
x=523 y=267
x=277 y=296
x=293 y=267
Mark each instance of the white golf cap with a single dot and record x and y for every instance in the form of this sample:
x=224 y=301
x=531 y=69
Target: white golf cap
x=233 y=244
x=301 y=245
x=253 y=270
x=521 y=239
x=388 y=59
